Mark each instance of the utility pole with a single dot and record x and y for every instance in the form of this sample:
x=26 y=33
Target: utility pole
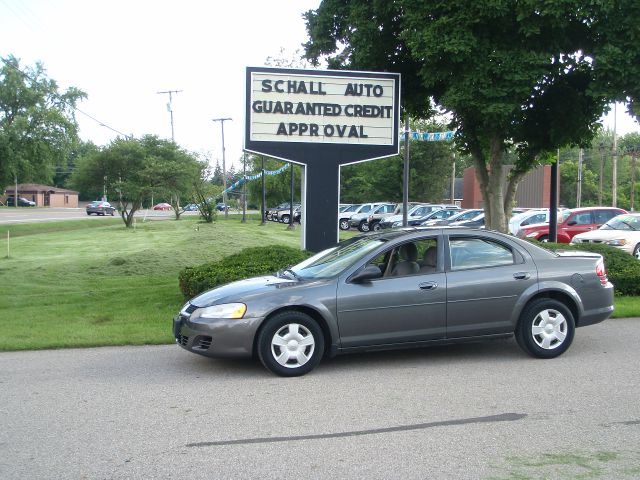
x=224 y=168
x=579 y=186
x=244 y=188
x=169 y=107
x=614 y=180
x=601 y=148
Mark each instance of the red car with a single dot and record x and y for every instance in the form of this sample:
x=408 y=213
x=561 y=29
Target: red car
x=162 y=206
x=571 y=223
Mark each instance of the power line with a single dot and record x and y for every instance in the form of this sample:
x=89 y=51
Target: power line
x=33 y=80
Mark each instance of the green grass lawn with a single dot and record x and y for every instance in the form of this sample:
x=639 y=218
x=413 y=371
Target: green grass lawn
x=76 y=284
x=89 y=283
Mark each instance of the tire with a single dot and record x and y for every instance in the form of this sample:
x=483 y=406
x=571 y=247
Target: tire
x=376 y=227
x=363 y=227
x=113 y=212
x=546 y=328
x=285 y=218
x=543 y=239
x=89 y=213
x=344 y=224
x=636 y=252
x=290 y=344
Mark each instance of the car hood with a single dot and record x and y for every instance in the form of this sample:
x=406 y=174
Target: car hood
x=241 y=288
x=606 y=234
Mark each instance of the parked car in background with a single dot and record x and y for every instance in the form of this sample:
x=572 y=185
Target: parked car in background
x=162 y=206
x=283 y=216
x=475 y=222
x=461 y=215
x=191 y=207
x=344 y=217
x=271 y=213
x=22 y=202
x=529 y=217
x=435 y=215
x=622 y=231
x=571 y=223
x=221 y=207
x=361 y=221
x=401 y=288
x=99 y=207
x=416 y=212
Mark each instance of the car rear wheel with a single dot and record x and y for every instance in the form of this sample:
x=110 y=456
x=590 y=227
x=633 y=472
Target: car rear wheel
x=344 y=224
x=285 y=218
x=543 y=239
x=636 y=251
x=376 y=226
x=363 y=227
x=291 y=344
x=546 y=328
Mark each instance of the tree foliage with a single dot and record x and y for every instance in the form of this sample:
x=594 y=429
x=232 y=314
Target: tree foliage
x=38 y=128
x=132 y=170
x=535 y=76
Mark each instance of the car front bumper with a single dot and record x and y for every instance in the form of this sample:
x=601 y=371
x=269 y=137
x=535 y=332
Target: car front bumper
x=217 y=338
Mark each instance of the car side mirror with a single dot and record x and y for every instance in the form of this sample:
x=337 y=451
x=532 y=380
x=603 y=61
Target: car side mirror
x=370 y=272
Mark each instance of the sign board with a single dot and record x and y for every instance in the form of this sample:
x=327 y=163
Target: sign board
x=292 y=113
x=321 y=119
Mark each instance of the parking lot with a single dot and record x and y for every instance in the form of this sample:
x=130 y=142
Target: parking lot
x=475 y=411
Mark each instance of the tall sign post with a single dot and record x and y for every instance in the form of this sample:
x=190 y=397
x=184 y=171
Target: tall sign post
x=322 y=120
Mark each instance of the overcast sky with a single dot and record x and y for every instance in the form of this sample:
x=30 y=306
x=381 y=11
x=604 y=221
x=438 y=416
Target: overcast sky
x=122 y=52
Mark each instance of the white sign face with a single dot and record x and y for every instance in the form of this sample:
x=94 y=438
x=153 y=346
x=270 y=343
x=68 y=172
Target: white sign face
x=322 y=109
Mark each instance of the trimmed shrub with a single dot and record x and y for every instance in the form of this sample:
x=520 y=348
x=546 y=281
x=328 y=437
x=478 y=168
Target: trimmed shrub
x=250 y=262
x=623 y=269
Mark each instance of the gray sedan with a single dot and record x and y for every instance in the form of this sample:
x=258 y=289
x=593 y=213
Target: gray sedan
x=401 y=288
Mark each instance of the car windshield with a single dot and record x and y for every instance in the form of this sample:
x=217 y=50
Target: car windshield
x=623 y=222
x=353 y=208
x=333 y=261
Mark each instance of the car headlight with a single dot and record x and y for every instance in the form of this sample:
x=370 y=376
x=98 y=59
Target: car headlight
x=532 y=234
x=617 y=242
x=574 y=240
x=225 y=310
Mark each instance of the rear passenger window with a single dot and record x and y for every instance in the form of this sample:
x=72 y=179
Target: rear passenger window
x=603 y=216
x=477 y=253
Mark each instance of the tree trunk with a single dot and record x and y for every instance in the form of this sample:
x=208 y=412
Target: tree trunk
x=491 y=178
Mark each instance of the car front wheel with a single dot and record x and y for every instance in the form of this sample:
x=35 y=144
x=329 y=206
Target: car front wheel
x=344 y=224
x=363 y=227
x=285 y=219
x=291 y=344
x=636 y=251
x=546 y=328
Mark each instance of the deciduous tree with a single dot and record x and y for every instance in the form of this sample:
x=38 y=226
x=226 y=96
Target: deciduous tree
x=530 y=75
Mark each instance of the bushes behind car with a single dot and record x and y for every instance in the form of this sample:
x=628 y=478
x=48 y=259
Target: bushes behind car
x=250 y=262
x=623 y=269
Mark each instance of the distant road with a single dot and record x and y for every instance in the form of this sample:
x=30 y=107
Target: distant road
x=31 y=215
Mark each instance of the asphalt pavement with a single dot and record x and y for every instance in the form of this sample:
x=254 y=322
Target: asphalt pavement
x=478 y=411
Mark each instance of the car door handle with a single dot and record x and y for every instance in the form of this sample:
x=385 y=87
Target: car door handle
x=521 y=275
x=428 y=286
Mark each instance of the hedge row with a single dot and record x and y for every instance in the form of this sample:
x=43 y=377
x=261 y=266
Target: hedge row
x=623 y=269
x=250 y=262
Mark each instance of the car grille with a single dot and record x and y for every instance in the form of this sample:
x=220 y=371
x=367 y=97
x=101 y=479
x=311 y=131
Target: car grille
x=202 y=343
x=182 y=340
x=580 y=240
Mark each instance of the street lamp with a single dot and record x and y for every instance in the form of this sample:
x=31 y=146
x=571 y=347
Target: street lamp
x=224 y=168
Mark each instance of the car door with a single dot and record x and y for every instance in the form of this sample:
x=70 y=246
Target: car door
x=579 y=222
x=485 y=278
x=394 y=309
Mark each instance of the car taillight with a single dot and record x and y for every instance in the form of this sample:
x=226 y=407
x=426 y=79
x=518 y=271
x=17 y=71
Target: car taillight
x=601 y=272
